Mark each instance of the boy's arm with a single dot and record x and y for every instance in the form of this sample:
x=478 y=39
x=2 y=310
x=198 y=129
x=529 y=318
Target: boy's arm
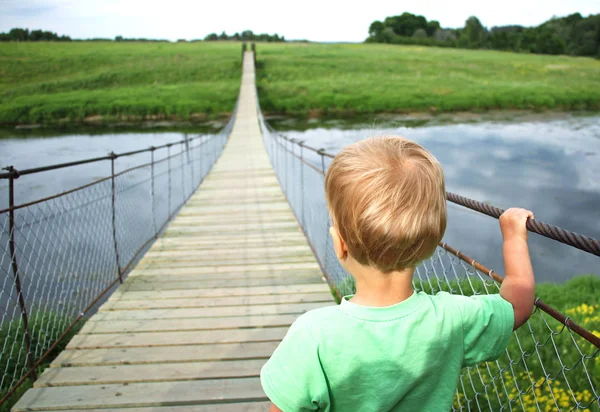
x=518 y=286
x=274 y=408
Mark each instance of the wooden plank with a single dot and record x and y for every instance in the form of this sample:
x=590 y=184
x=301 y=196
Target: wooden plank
x=236 y=227
x=225 y=311
x=213 y=302
x=240 y=260
x=132 y=340
x=182 y=250
x=177 y=325
x=200 y=219
x=165 y=275
x=164 y=354
x=205 y=293
x=241 y=267
x=201 y=244
x=142 y=394
x=289 y=236
x=274 y=268
x=222 y=284
x=96 y=375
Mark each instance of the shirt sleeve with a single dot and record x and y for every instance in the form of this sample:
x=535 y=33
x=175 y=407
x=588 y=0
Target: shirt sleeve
x=293 y=378
x=487 y=322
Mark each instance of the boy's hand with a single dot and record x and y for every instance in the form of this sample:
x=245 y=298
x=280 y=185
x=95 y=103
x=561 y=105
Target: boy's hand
x=512 y=223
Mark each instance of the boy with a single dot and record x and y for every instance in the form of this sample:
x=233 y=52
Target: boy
x=388 y=348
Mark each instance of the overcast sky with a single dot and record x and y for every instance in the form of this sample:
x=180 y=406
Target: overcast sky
x=317 y=20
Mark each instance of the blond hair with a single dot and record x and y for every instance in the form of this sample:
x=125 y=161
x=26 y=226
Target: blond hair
x=387 y=199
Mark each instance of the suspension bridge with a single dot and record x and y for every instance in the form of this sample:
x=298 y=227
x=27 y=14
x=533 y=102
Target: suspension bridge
x=204 y=285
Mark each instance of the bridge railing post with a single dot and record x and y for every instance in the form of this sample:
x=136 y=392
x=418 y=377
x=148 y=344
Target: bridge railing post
x=169 y=179
x=113 y=156
x=190 y=158
x=181 y=155
x=243 y=51
x=302 y=219
x=152 y=184
x=15 y=270
x=254 y=53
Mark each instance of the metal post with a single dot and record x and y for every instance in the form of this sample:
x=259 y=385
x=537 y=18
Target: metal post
x=191 y=161
x=254 y=53
x=302 y=194
x=322 y=153
x=169 y=174
x=200 y=159
x=285 y=166
x=113 y=156
x=15 y=269
x=152 y=149
x=182 y=175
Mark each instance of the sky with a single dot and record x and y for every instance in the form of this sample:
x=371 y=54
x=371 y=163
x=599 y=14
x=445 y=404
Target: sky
x=315 y=20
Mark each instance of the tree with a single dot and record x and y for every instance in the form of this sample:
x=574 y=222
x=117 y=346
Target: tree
x=432 y=27
x=406 y=24
x=19 y=34
x=212 y=37
x=247 y=35
x=376 y=28
x=474 y=35
x=119 y=38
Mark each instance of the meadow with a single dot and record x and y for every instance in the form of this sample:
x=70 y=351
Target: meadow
x=67 y=83
x=355 y=78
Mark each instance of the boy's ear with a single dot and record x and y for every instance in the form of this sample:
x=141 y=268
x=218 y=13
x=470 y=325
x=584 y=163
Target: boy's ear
x=339 y=246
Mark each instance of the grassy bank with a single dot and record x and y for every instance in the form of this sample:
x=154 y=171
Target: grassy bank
x=546 y=346
x=94 y=82
x=360 y=78
x=45 y=327
x=70 y=82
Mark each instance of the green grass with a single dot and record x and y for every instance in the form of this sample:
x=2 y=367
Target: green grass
x=44 y=327
x=351 y=79
x=67 y=82
x=578 y=299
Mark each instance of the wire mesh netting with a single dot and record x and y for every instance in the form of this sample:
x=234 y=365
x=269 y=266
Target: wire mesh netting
x=547 y=366
x=60 y=255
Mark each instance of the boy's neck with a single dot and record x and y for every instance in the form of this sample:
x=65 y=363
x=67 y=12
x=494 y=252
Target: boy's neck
x=374 y=288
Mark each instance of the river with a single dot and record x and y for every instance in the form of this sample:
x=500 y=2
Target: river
x=549 y=166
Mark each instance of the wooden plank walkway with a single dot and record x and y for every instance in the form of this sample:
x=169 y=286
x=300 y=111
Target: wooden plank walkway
x=204 y=309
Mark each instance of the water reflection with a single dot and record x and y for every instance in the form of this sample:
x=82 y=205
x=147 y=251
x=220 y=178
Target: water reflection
x=550 y=167
x=36 y=151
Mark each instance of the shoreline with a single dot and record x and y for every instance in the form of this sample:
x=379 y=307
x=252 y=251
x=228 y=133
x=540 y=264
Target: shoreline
x=283 y=121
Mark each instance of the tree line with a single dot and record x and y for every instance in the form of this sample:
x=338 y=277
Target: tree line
x=573 y=35
x=17 y=34
x=246 y=35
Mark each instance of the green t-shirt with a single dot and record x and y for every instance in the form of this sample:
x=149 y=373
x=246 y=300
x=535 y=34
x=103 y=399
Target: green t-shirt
x=405 y=357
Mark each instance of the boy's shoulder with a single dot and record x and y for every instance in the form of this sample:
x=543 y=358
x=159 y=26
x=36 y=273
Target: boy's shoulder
x=318 y=316
x=315 y=320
